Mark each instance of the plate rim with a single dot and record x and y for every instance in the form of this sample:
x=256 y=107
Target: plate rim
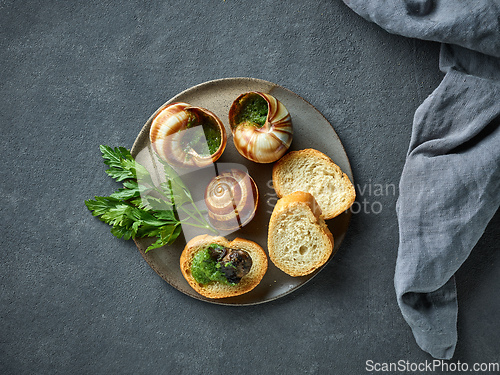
x=144 y=132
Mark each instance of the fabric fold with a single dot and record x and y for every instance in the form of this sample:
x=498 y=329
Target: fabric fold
x=449 y=191
x=473 y=24
x=450 y=184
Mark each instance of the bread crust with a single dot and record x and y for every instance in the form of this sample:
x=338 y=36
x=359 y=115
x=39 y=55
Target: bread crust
x=281 y=188
x=298 y=197
x=215 y=289
x=307 y=202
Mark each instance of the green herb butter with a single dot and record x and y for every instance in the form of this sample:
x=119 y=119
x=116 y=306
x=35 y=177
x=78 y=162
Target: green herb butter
x=213 y=137
x=211 y=132
x=254 y=111
x=205 y=269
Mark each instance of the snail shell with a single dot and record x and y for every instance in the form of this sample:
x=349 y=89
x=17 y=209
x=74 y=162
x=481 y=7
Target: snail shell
x=180 y=134
x=266 y=143
x=231 y=199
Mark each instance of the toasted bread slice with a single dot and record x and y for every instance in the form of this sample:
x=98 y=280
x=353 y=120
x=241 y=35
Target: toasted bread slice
x=313 y=172
x=216 y=289
x=299 y=241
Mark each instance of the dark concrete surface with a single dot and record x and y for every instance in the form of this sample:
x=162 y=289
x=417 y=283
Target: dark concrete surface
x=76 y=300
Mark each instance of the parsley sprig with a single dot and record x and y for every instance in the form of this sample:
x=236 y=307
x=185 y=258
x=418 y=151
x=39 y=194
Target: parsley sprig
x=142 y=209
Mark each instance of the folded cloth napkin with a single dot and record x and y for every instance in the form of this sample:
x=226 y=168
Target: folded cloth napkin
x=450 y=185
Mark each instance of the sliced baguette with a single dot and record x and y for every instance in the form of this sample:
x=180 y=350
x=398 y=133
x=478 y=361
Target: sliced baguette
x=299 y=241
x=216 y=289
x=313 y=172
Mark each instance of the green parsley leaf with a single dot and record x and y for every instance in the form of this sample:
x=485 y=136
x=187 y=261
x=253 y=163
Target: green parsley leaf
x=141 y=209
x=167 y=236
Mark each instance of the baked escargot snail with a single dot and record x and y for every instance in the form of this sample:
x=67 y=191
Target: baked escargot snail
x=231 y=199
x=261 y=127
x=188 y=136
x=233 y=263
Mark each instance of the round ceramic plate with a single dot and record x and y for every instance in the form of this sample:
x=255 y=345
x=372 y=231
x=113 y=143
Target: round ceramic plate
x=311 y=130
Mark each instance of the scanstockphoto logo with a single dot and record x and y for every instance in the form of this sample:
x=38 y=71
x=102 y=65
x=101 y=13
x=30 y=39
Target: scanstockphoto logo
x=370 y=197
x=435 y=366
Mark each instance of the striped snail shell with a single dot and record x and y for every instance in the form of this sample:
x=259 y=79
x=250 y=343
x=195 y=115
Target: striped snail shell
x=261 y=126
x=231 y=199
x=188 y=136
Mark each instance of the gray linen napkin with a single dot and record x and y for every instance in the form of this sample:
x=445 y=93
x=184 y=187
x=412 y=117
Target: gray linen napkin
x=450 y=185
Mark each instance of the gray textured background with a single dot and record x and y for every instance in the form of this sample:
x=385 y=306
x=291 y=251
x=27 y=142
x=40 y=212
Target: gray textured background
x=74 y=299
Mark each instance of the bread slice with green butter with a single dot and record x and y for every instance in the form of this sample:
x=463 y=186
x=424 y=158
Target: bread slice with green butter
x=215 y=289
x=311 y=171
x=299 y=241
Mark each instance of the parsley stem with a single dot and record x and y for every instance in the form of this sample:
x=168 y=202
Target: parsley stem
x=198 y=212
x=192 y=216
x=202 y=223
x=198 y=225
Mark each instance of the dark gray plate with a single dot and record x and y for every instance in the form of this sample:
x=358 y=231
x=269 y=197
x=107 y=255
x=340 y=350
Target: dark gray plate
x=311 y=130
